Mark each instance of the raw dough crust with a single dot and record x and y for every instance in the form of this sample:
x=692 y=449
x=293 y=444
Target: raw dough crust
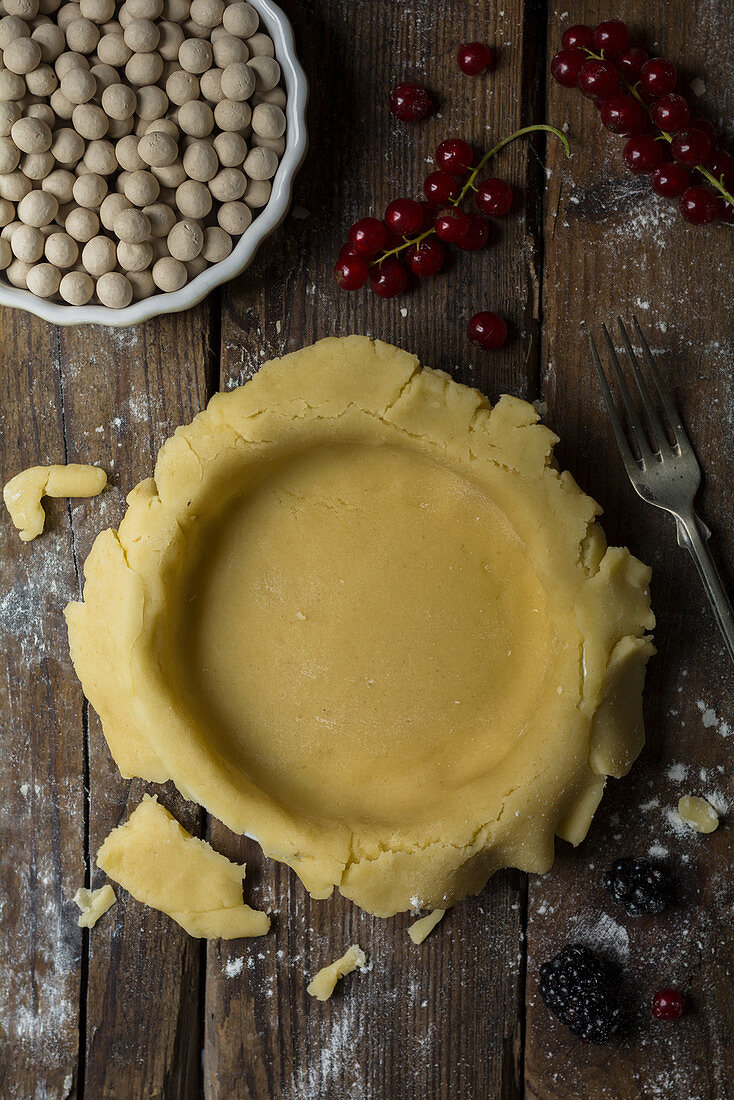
x=360 y=615
x=160 y=864
x=423 y=927
x=23 y=493
x=698 y=813
x=94 y=904
x=323 y=984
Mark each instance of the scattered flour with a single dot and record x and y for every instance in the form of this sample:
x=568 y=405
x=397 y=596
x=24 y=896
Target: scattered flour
x=711 y=720
x=234 y=967
x=677 y=772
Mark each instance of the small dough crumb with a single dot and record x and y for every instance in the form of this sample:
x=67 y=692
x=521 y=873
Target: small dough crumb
x=423 y=927
x=94 y=904
x=698 y=813
x=324 y=983
x=160 y=864
x=24 y=492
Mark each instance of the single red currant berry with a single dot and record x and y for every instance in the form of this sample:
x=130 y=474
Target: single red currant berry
x=691 y=147
x=671 y=112
x=670 y=180
x=425 y=259
x=622 y=114
x=724 y=211
x=612 y=36
x=404 y=217
x=410 y=102
x=667 y=1004
x=487 y=330
x=566 y=66
x=701 y=123
x=389 y=278
x=642 y=154
x=440 y=187
x=455 y=156
x=474 y=57
x=698 y=205
x=451 y=224
x=721 y=167
x=630 y=62
x=577 y=37
x=351 y=272
x=658 y=76
x=599 y=80
x=494 y=198
x=368 y=236
x=477 y=232
x=346 y=251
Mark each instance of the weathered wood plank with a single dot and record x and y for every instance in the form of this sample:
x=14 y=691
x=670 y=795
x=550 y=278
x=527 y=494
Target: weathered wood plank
x=42 y=796
x=612 y=247
x=444 y=1019
x=126 y=391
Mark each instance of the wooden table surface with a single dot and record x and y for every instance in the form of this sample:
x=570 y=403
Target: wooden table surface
x=136 y=1009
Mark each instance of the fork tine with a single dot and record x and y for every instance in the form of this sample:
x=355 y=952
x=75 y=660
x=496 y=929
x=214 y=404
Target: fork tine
x=651 y=412
x=674 y=418
x=638 y=432
x=624 y=448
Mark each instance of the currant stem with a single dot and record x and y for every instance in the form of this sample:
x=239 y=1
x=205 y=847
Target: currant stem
x=469 y=185
x=632 y=89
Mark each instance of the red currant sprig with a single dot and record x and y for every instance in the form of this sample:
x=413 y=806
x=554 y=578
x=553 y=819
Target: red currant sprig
x=635 y=92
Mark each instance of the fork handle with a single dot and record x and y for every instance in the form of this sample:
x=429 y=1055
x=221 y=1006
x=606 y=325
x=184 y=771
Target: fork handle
x=693 y=535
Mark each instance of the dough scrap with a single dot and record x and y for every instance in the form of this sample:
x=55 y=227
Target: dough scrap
x=361 y=616
x=323 y=984
x=698 y=813
x=93 y=904
x=157 y=861
x=423 y=927
x=24 y=492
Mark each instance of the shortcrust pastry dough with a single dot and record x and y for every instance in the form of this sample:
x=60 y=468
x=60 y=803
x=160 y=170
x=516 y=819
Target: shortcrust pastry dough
x=157 y=861
x=24 y=492
x=93 y=904
x=361 y=616
x=323 y=984
x=422 y=928
x=698 y=813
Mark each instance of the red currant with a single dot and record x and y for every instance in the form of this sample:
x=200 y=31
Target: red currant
x=410 y=102
x=670 y=180
x=351 y=272
x=565 y=67
x=612 y=36
x=599 y=80
x=346 y=251
x=474 y=57
x=698 y=205
x=578 y=37
x=494 y=198
x=701 y=123
x=671 y=112
x=487 y=330
x=451 y=224
x=440 y=187
x=622 y=114
x=477 y=232
x=724 y=211
x=721 y=167
x=667 y=1004
x=368 y=236
x=404 y=217
x=658 y=77
x=389 y=278
x=455 y=156
x=630 y=62
x=425 y=259
x=691 y=147
x=642 y=154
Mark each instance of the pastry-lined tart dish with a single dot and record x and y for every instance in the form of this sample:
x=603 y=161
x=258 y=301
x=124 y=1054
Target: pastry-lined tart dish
x=359 y=615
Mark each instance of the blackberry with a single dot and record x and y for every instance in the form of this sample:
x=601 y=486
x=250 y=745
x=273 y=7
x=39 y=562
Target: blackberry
x=582 y=990
x=639 y=886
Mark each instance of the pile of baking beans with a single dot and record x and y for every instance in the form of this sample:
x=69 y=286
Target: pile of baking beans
x=137 y=142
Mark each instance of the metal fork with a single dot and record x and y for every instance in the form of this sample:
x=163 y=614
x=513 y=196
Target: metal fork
x=665 y=474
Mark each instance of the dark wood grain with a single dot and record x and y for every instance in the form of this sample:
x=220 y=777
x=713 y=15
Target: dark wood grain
x=612 y=247
x=444 y=1019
